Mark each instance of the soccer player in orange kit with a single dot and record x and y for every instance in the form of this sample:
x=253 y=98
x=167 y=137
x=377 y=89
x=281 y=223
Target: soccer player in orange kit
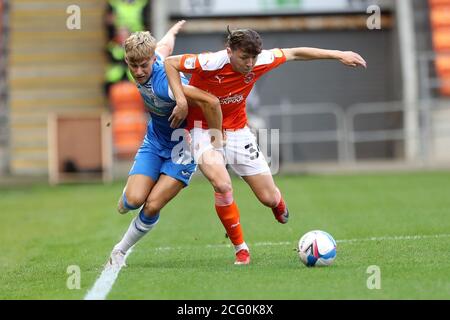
x=230 y=75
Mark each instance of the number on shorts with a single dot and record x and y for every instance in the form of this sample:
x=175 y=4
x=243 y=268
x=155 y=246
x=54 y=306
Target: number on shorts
x=254 y=152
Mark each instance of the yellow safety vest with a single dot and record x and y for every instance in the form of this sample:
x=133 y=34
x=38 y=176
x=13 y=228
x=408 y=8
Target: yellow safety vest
x=129 y=15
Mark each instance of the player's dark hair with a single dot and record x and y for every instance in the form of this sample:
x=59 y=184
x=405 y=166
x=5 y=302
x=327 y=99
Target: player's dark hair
x=247 y=40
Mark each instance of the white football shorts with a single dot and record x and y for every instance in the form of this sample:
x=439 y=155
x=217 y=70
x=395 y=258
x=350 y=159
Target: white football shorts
x=241 y=151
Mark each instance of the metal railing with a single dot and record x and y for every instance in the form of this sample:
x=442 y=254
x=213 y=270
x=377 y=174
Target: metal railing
x=290 y=133
x=348 y=128
x=355 y=136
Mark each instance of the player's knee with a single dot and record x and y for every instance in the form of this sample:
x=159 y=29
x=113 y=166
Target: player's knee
x=151 y=208
x=222 y=186
x=134 y=200
x=269 y=199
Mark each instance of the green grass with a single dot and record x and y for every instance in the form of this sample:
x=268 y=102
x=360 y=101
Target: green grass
x=43 y=230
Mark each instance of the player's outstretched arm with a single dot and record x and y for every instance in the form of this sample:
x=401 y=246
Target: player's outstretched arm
x=167 y=43
x=349 y=58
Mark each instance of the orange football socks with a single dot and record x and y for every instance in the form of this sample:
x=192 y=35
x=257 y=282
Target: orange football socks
x=228 y=213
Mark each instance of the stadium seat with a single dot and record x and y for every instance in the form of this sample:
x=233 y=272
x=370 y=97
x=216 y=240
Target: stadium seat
x=440 y=29
x=129 y=119
x=440 y=17
x=125 y=95
x=129 y=127
x=127 y=145
x=445 y=87
x=443 y=64
x=441 y=39
x=443 y=71
x=435 y=3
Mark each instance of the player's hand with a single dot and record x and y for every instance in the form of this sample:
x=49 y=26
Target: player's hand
x=352 y=59
x=178 y=115
x=177 y=26
x=219 y=141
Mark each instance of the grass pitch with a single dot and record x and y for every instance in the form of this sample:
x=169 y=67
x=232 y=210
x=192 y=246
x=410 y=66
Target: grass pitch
x=374 y=218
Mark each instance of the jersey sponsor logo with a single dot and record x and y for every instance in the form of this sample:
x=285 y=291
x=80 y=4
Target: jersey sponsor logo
x=189 y=63
x=237 y=98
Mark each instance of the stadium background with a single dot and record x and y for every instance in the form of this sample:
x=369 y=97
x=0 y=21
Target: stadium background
x=392 y=117
x=401 y=113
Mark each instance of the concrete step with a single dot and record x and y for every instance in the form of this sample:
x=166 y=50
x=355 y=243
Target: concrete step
x=56 y=99
x=51 y=69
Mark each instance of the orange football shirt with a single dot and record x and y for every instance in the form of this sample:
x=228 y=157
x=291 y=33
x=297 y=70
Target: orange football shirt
x=212 y=72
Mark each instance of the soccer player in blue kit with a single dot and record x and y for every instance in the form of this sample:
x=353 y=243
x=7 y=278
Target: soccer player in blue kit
x=161 y=168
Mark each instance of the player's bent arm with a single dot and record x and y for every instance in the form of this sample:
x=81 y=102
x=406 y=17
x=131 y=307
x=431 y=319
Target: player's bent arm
x=171 y=64
x=209 y=104
x=167 y=43
x=173 y=76
x=348 y=58
x=211 y=109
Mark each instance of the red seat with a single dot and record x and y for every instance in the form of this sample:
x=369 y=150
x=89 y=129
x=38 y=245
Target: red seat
x=445 y=86
x=440 y=17
x=125 y=95
x=443 y=64
x=441 y=39
x=435 y=3
x=129 y=128
x=440 y=28
x=443 y=72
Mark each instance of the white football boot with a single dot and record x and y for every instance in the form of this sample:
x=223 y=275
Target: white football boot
x=117 y=259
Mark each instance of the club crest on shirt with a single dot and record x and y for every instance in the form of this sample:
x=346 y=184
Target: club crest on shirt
x=153 y=103
x=249 y=77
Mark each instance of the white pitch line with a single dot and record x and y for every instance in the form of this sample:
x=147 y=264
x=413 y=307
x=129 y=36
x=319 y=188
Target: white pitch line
x=105 y=282
x=283 y=243
x=395 y=238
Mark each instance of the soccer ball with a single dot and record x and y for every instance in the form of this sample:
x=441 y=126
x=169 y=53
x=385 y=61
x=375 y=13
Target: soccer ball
x=317 y=248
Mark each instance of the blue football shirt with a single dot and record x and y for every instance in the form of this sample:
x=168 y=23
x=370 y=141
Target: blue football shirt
x=158 y=101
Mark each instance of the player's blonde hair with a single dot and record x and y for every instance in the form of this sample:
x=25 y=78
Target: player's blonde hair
x=140 y=46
